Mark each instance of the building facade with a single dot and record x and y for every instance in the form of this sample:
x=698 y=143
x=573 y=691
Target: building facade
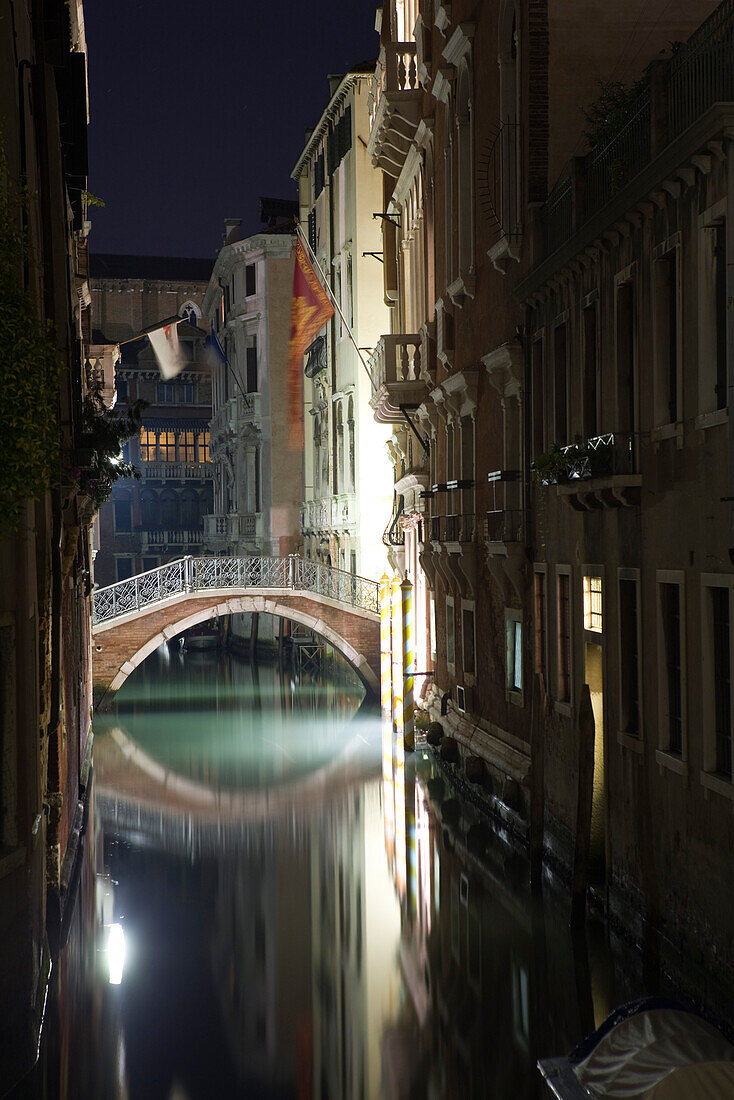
x=258 y=476
x=528 y=353
x=160 y=517
x=348 y=482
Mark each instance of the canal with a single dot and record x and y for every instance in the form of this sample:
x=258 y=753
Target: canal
x=266 y=908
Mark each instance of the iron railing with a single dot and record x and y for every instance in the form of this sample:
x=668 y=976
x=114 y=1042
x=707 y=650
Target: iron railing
x=600 y=456
x=612 y=167
x=454 y=528
x=702 y=72
x=558 y=215
x=503 y=525
x=192 y=574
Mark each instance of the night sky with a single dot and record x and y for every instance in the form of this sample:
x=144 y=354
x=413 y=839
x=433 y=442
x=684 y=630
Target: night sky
x=198 y=109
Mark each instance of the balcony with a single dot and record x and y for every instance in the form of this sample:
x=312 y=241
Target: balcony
x=394 y=106
x=503 y=525
x=599 y=472
x=336 y=513
x=235 y=414
x=456 y=529
x=395 y=366
x=157 y=539
x=221 y=531
x=177 y=471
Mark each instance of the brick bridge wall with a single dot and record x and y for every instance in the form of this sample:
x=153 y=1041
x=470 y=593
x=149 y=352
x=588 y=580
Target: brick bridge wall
x=355 y=635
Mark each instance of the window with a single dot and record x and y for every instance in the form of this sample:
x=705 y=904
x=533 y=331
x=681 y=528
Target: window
x=312 y=229
x=124 y=568
x=186 y=393
x=432 y=624
x=203 y=446
x=167 y=446
x=352 y=452
x=671 y=669
x=513 y=633
x=468 y=642
x=666 y=339
x=589 y=329
x=625 y=355
x=149 y=514
x=169 y=510
x=166 y=393
x=148 y=444
x=450 y=640
x=251 y=368
x=712 y=312
x=186 y=447
x=353 y=561
x=121 y=388
x=629 y=655
x=465 y=174
x=539 y=605
x=721 y=645
x=339 y=463
x=538 y=394
x=592 y=604
x=190 y=510
x=564 y=636
x=560 y=367
x=318 y=175
x=123 y=513
x=250 y=280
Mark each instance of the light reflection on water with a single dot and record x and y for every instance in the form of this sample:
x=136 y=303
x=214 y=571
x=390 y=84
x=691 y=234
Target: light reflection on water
x=331 y=923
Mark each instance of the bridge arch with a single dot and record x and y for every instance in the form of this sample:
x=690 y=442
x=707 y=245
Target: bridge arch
x=124 y=650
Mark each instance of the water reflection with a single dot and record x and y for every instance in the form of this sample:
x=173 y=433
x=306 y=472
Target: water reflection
x=306 y=912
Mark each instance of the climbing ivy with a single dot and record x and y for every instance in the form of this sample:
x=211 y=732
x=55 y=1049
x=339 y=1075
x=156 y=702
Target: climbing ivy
x=103 y=434
x=30 y=365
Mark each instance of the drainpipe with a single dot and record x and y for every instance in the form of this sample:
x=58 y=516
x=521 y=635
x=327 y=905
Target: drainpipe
x=730 y=329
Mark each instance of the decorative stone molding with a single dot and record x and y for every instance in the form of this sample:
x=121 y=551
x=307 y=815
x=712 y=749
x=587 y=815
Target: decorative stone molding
x=442 y=17
x=459 y=45
x=462 y=288
x=504 y=367
x=442 y=84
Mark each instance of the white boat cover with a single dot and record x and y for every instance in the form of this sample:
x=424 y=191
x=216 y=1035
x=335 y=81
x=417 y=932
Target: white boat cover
x=642 y=1058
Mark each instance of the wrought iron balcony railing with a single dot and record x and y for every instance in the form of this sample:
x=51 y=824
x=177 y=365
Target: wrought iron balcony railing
x=503 y=525
x=600 y=456
x=455 y=528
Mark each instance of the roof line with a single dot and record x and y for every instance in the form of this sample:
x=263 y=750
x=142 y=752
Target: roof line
x=333 y=105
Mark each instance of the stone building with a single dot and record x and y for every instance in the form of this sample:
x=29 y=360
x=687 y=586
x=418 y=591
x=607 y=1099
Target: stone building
x=158 y=518
x=45 y=553
x=629 y=348
x=474 y=116
x=348 y=482
x=259 y=478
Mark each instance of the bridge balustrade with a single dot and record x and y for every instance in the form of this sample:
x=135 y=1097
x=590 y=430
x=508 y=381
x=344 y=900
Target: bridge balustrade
x=196 y=574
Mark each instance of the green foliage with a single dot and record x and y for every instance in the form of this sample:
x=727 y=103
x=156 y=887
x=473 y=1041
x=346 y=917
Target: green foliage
x=104 y=433
x=92 y=200
x=578 y=460
x=613 y=108
x=30 y=366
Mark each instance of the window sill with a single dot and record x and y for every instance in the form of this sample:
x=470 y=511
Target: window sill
x=668 y=431
x=717 y=783
x=711 y=419
x=672 y=762
x=634 y=744
x=515 y=697
x=563 y=708
x=462 y=288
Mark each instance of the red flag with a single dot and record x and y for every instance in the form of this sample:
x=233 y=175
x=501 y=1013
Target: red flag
x=310 y=310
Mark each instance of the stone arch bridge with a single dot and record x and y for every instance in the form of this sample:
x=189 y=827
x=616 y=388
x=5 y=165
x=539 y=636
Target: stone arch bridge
x=135 y=616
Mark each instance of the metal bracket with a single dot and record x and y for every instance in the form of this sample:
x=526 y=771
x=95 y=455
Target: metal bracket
x=375 y=255
x=411 y=425
x=387 y=218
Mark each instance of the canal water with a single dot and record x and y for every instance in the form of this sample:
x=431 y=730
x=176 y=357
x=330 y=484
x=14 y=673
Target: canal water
x=270 y=906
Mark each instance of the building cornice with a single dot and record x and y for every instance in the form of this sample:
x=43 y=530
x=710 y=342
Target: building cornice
x=341 y=93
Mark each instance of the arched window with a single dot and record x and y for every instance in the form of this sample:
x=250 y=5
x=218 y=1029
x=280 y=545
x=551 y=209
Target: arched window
x=190 y=312
x=149 y=510
x=190 y=510
x=339 y=471
x=352 y=454
x=123 y=511
x=465 y=177
x=169 y=510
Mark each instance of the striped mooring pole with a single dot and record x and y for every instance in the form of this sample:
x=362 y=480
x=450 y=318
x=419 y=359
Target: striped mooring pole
x=406 y=591
x=385 y=658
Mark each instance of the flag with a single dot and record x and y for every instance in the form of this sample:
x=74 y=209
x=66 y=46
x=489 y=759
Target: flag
x=310 y=310
x=164 y=341
x=214 y=348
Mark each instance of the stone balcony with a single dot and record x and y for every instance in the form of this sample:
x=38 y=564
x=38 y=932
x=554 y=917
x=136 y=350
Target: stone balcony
x=221 y=531
x=593 y=473
x=395 y=365
x=394 y=106
x=503 y=526
x=325 y=514
x=240 y=411
x=176 y=471
x=154 y=540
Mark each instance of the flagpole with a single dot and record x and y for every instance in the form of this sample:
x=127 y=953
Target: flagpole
x=334 y=302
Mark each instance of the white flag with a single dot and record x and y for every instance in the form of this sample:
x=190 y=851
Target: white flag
x=164 y=342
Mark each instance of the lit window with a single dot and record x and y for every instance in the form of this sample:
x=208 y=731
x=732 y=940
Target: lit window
x=167 y=446
x=187 y=450
x=592 y=604
x=204 y=447
x=147 y=445
x=514 y=654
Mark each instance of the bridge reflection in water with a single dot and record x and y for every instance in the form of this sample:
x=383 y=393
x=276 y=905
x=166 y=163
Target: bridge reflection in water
x=291 y=928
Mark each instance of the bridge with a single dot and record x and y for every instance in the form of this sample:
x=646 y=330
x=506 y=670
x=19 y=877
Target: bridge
x=134 y=617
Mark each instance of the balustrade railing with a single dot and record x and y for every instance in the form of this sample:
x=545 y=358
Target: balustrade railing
x=181 y=470
x=396 y=73
x=396 y=359
x=196 y=574
x=172 y=538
